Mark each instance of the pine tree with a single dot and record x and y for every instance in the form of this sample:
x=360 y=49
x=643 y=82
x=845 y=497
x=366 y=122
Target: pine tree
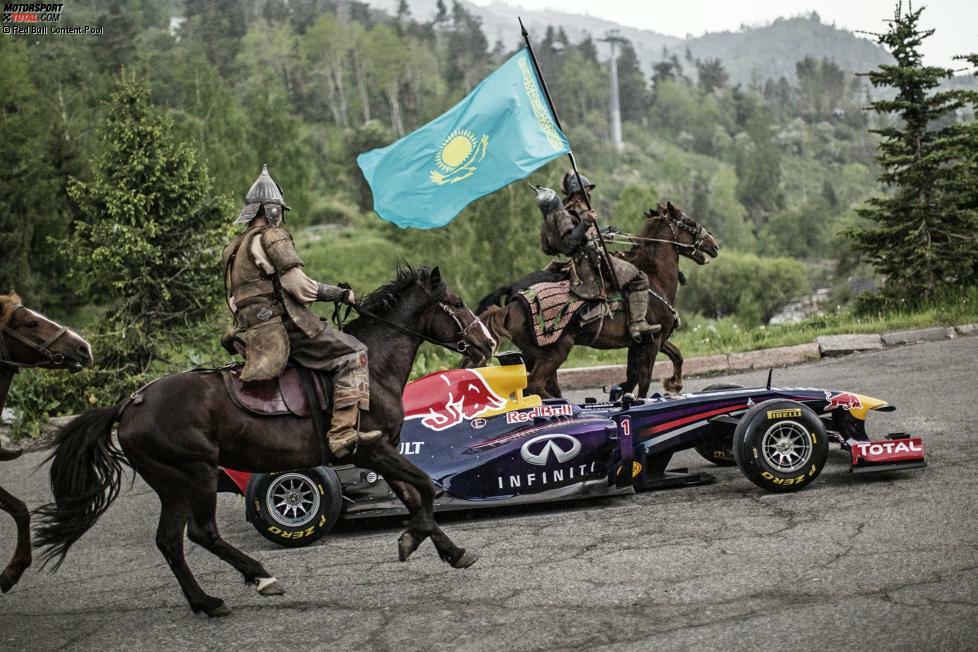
x=921 y=237
x=150 y=236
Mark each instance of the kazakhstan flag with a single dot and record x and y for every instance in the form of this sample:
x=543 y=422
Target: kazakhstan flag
x=502 y=131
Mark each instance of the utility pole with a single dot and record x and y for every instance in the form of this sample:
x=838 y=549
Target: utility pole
x=613 y=37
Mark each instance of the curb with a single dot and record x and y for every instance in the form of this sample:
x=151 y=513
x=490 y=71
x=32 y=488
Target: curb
x=712 y=365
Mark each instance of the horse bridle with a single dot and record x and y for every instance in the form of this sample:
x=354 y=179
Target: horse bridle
x=699 y=234
x=57 y=359
x=461 y=346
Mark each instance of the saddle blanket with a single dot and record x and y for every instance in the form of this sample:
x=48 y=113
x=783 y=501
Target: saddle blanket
x=552 y=306
x=282 y=395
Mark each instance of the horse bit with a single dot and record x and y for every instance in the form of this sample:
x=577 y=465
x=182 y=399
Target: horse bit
x=57 y=359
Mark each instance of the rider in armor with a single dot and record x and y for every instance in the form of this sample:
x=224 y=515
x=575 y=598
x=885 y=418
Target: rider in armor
x=269 y=296
x=569 y=228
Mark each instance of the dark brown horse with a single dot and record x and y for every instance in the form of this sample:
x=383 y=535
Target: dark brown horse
x=29 y=340
x=178 y=452
x=668 y=233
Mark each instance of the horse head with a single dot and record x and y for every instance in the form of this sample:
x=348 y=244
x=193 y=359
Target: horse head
x=431 y=309
x=691 y=239
x=29 y=339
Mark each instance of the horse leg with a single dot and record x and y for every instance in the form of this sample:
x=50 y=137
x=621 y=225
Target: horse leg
x=547 y=365
x=447 y=550
x=203 y=531
x=22 y=554
x=383 y=458
x=174 y=514
x=646 y=360
x=673 y=384
x=631 y=368
x=553 y=386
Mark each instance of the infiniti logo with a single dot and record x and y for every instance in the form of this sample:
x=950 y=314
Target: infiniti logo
x=563 y=448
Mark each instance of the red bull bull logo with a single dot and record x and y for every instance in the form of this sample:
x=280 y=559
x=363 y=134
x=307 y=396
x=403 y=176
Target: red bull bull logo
x=843 y=400
x=445 y=399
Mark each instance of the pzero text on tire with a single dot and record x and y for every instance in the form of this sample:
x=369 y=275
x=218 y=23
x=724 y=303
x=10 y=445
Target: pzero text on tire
x=780 y=445
x=294 y=508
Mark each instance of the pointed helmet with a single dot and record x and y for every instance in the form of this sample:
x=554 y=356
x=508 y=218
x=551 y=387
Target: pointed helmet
x=570 y=184
x=264 y=193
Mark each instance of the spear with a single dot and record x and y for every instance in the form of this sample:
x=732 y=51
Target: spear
x=570 y=152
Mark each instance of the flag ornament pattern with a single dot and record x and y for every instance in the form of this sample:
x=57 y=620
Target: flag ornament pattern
x=499 y=133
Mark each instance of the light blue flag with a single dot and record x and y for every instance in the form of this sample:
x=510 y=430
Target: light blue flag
x=502 y=131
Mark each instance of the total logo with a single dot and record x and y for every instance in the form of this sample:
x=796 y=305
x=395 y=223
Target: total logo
x=889 y=451
x=540 y=411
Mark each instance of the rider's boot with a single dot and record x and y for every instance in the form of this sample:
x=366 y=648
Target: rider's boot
x=343 y=435
x=638 y=305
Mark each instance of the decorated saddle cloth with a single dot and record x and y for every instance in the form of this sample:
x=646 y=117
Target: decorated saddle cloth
x=552 y=306
x=277 y=396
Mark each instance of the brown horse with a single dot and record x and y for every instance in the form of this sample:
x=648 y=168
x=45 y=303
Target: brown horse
x=667 y=233
x=177 y=452
x=29 y=340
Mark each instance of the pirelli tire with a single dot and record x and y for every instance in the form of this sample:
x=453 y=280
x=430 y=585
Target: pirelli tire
x=294 y=508
x=717 y=446
x=780 y=445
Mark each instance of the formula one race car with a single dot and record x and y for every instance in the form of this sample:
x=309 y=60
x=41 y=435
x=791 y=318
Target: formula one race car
x=485 y=444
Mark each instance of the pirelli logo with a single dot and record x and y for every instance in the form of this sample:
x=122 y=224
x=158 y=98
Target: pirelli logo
x=792 y=413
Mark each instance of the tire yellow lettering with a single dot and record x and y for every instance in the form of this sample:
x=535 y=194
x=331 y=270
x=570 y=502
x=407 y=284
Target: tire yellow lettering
x=322 y=492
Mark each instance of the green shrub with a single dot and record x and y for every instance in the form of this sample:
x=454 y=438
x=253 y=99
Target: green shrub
x=743 y=285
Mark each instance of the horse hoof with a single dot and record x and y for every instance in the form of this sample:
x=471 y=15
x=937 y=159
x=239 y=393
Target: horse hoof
x=269 y=586
x=7 y=454
x=405 y=546
x=5 y=583
x=466 y=560
x=219 y=611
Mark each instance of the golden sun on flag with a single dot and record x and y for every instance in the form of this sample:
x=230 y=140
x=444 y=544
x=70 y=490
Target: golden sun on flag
x=456 y=156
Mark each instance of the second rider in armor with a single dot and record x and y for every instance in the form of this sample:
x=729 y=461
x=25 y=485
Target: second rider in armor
x=569 y=228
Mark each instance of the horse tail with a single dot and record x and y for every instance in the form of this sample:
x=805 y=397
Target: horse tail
x=498 y=297
x=86 y=475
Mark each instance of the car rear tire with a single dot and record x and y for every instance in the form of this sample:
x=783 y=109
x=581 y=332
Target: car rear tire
x=780 y=445
x=294 y=508
x=717 y=447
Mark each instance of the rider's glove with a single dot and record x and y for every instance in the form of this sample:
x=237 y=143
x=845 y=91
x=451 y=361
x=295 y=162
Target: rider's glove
x=328 y=292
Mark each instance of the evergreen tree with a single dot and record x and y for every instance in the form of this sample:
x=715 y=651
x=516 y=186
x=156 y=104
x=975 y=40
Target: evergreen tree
x=712 y=75
x=921 y=237
x=633 y=91
x=150 y=235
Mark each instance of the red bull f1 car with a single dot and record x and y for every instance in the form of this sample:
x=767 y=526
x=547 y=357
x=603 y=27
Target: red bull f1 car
x=485 y=444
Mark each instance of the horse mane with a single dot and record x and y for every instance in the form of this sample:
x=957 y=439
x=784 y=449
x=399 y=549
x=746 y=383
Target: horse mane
x=6 y=301
x=388 y=296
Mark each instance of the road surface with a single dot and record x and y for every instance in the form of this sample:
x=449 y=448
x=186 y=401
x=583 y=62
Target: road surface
x=850 y=563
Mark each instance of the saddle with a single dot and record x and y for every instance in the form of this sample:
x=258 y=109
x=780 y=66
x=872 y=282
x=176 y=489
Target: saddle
x=278 y=396
x=553 y=306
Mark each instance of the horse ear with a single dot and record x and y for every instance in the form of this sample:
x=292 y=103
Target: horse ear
x=672 y=208
x=435 y=278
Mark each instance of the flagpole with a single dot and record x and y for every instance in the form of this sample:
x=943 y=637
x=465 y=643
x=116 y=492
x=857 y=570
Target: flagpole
x=570 y=151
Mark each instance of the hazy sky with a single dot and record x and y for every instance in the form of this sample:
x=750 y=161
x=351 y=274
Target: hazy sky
x=956 y=21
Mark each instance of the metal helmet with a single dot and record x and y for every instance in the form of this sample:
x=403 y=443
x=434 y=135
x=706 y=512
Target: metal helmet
x=264 y=194
x=570 y=185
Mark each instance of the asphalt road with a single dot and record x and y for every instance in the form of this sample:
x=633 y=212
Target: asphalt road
x=849 y=563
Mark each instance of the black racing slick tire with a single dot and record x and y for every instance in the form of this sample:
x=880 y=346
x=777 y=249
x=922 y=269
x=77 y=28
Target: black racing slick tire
x=717 y=447
x=294 y=508
x=780 y=445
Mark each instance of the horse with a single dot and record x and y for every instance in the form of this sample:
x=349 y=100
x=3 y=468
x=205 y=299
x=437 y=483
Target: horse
x=504 y=294
x=177 y=452
x=28 y=340
x=668 y=225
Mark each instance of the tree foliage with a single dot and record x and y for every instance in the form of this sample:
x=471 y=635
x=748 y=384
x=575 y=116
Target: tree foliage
x=922 y=234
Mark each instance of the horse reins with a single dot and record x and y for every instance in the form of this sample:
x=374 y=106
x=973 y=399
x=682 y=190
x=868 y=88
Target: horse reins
x=460 y=346
x=56 y=359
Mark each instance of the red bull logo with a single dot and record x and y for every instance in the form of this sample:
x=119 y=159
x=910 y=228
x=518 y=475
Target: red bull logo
x=445 y=399
x=843 y=400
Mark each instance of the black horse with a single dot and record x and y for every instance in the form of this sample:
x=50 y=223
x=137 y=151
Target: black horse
x=178 y=452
